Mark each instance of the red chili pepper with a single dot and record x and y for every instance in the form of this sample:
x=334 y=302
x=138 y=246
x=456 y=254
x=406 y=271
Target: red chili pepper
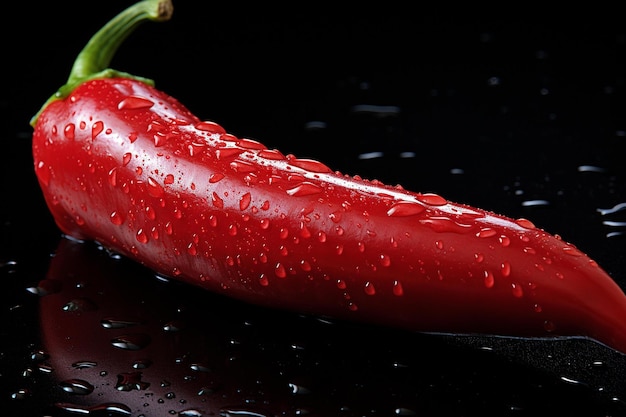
x=125 y=164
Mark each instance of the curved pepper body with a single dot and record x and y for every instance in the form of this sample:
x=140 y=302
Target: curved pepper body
x=124 y=164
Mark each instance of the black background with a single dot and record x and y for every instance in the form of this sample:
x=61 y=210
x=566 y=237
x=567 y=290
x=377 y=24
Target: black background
x=497 y=108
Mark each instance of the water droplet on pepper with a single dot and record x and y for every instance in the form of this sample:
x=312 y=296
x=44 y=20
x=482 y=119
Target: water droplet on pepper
x=244 y=202
x=432 y=199
x=135 y=103
x=69 y=130
x=304 y=188
x=489 y=279
x=405 y=208
x=96 y=129
x=142 y=236
x=397 y=288
x=211 y=127
x=309 y=165
x=280 y=270
x=215 y=177
x=116 y=218
x=369 y=288
x=154 y=188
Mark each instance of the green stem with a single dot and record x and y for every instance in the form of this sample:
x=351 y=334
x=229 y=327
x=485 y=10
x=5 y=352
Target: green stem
x=93 y=61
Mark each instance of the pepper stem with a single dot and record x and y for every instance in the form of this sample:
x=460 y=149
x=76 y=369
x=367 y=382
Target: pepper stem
x=93 y=61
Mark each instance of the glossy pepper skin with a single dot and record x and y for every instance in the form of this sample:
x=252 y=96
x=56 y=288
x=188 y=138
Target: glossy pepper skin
x=125 y=164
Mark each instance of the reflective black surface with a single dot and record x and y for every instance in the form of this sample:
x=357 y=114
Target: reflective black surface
x=524 y=117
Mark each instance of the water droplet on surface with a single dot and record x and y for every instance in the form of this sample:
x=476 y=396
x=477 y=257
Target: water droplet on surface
x=20 y=394
x=45 y=287
x=76 y=386
x=80 y=305
x=128 y=381
x=571 y=381
x=371 y=155
x=590 y=168
x=369 y=288
x=131 y=341
x=190 y=413
x=535 y=203
x=199 y=367
x=39 y=355
x=114 y=323
x=142 y=363
x=617 y=208
x=244 y=412
x=401 y=411
x=84 y=364
x=298 y=389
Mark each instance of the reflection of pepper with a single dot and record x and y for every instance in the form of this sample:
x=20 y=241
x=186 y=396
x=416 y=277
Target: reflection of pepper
x=126 y=165
x=116 y=338
x=115 y=346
